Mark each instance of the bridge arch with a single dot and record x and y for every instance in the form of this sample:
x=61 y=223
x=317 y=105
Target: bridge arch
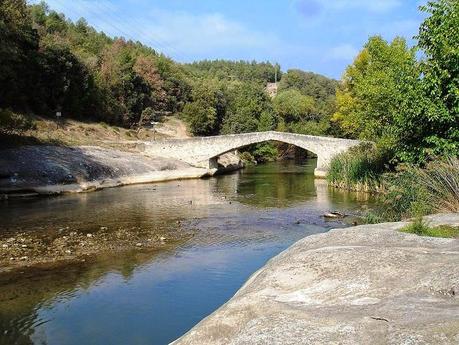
x=202 y=152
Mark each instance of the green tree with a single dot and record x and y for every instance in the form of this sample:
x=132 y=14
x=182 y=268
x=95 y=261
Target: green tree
x=439 y=40
x=292 y=106
x=247 y=103
x=316 y=86
x=208 y=108
x=381 y=98
x=18 y=50
x=260 y=72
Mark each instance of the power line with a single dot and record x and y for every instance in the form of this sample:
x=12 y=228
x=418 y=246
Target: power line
x=83 y=12
x=146 y=36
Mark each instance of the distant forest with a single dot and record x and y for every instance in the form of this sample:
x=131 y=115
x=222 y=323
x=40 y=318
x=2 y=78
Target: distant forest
x=408 y=106
x=49 y=64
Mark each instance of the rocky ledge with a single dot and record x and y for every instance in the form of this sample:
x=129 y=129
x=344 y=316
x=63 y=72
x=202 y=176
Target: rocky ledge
x=368 y=284
x=61 y=169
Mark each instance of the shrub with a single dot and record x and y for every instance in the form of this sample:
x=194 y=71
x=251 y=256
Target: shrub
x=265 y=152
x=422 y=228
x=403 y=197
x=359 y=169
x=14 y=123
x=441 y=179
x=372 y=218
x=414 y=192
x=247 y=157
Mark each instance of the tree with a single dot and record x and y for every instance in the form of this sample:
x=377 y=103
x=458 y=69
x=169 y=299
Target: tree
x=439 y=40
x=316 y=86
x=259 y=72
x=208 y=108
x=145 y=67
x=381 y=98
x=64 y=83
x=18 y=50
x=247 y=103
x=292 y=106
x=200 y=117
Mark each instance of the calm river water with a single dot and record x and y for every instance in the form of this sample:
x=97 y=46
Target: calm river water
x=239 y=222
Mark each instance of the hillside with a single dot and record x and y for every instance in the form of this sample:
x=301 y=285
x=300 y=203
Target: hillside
x=105 y=81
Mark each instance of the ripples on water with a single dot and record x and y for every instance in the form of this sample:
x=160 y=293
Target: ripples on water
x=239 y=221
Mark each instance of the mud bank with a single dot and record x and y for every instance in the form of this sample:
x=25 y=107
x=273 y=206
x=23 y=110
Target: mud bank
x=48 y=249
x=55 y=169
x=369 y=284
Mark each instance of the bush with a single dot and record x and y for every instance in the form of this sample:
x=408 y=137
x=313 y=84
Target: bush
x=265 y=152
x=14 y=123
x=422 y=228
x=441 y=180
x=415 y=192
x=359 y=169
x=403 y=197
x=247 y=157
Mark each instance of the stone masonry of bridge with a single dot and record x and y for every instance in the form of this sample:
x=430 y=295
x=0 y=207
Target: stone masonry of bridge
x=203 y=151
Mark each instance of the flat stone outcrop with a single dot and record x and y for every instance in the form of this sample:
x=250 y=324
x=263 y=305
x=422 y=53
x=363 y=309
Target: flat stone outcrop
x=60 y=169
x=368 y=284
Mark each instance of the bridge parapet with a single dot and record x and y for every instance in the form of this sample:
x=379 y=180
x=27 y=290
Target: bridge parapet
x=201 y=151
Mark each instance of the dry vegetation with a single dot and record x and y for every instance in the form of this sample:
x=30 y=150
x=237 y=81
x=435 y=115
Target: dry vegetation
x=75 y=133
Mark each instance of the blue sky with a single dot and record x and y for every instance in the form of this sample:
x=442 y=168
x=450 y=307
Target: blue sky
x=315 y=35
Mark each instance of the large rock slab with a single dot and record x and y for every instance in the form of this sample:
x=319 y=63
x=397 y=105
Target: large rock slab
x=364 y=285
x=58 y=169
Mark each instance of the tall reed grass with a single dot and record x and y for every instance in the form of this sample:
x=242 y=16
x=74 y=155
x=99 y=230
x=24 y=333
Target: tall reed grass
x=441 y=179
x=415 y=191
x=359 y=169
x=409 y=192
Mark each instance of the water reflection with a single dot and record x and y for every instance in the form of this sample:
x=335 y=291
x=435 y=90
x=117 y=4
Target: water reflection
x=239 y=221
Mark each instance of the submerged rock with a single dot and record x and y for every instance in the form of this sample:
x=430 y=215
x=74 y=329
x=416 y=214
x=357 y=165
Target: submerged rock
x=334 y=215
x=369 y=284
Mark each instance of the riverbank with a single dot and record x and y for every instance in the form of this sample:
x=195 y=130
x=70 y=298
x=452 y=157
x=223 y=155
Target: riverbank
x=60 y=169
x=360 y=285
x=52 y=170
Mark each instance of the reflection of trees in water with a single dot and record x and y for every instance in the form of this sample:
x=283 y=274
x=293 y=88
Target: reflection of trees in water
x=285 y=184
x=22 y=295
x=272 y=184
x=350 y=197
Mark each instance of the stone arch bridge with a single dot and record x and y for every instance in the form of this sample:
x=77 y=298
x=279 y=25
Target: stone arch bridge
x=204 y=151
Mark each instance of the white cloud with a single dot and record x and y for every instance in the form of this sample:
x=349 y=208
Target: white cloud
x=180 y=34
x=202 y=34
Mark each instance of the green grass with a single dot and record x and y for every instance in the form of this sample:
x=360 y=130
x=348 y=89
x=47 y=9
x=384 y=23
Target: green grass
x=422 y=228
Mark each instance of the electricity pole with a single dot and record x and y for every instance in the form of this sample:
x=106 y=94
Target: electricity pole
x=275 y=74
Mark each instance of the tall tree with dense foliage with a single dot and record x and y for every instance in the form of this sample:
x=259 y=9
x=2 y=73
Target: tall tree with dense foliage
x=316 y=86
x=18 y=51
x=248 y=104
x=381 y=98
x=205 y=113
x=292 y=106
x=439 y=40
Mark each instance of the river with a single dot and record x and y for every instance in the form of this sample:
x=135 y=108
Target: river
x=237 y=222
